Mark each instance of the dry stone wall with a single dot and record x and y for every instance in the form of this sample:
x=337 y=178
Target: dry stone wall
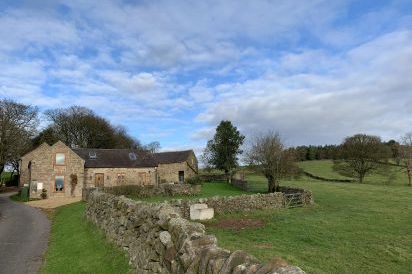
x=159 y=240
x=231 y=204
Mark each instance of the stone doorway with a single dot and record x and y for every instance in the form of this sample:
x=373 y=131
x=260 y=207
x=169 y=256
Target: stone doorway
x=181 y=177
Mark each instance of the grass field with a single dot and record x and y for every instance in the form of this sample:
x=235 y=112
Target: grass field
x=352 y=228
x=393 y=175
x=77 y=246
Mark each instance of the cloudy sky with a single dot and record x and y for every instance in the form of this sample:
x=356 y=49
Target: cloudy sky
x=316 y=70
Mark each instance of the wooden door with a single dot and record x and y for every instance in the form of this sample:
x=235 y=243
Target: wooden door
x=99 y=180
x=142 y=178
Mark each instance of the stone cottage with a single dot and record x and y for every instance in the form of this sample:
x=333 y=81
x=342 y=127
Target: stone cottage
x=65 y=171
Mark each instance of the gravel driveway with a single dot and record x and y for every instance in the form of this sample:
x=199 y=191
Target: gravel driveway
x=24 y=234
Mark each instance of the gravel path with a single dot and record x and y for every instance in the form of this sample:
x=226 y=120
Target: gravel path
x=24 y=234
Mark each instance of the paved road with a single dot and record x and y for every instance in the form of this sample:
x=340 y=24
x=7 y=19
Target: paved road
x=24 y=233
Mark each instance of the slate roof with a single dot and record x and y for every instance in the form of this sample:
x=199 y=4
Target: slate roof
x=118 y=158
x=172 y=156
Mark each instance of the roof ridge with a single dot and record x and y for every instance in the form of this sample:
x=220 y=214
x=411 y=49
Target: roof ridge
x=187 y=150
x=104 y=148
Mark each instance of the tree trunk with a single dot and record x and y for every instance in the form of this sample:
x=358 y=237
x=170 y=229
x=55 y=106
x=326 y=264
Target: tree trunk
x=409 y=172
x=273 y=185
x=227 y=176
x=1 y=168
x=361 y=176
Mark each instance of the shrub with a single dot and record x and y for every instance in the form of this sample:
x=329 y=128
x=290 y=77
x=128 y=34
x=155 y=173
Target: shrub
x=195 y=180
x=43 y=193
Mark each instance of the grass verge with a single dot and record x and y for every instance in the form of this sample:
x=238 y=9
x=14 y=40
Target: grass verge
x=77 y=246
x=352 y=228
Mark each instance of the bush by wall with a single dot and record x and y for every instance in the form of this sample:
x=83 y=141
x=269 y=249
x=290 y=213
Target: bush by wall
x=149 y=191
x=159 y=240
x=213 y=177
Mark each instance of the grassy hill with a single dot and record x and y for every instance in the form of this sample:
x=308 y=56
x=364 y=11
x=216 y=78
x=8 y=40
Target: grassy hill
x=323 y=168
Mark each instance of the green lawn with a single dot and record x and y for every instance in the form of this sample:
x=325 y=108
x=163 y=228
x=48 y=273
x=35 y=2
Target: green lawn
x=208 y=190
x=77 y=246
x=323 y=168
x=352 y=228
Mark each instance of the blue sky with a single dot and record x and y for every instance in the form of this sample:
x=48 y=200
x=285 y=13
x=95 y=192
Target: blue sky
x=169 y=71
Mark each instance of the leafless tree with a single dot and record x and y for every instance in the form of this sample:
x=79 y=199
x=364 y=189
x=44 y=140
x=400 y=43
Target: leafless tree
x=268 y=155
x=80 y=126
x=153 y=147
x=362 y=155
x=406 y=155
x=18 y=124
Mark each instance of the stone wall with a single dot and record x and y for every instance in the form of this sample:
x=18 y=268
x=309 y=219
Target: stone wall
x=44 y=170
x=328 y=179
x=159 y=240
x=231 y=204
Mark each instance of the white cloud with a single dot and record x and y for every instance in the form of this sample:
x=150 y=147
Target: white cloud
x=368 y=91
x=312 y=69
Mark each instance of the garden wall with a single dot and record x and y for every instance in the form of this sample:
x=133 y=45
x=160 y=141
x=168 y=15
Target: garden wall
x=291 y=197
x=159 y=240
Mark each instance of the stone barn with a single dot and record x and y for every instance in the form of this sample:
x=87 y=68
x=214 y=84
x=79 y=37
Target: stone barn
x=65 y=171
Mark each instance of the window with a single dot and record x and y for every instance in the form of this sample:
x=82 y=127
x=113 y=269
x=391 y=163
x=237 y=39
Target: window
x=120 y=178
x=60 y=159
x=59 y=183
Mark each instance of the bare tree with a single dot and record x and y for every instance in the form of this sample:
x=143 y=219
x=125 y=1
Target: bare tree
x=268 y=155
x=79 y=126
x=406 y=155
x=362 y=155
x=17 y=125
x=153 y=147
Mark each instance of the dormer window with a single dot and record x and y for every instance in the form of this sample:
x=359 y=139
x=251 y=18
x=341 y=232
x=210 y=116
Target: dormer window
x=60 y=159
x=132 y=156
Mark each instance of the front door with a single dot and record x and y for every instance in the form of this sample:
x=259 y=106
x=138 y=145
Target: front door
x=99 y=180
x=181 y=177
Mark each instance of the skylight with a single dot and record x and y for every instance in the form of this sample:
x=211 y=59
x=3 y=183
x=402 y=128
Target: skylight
x=92 y=155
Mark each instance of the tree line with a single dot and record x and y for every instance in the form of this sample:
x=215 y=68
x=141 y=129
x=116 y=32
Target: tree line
x=356 y=157
x=334 y=152
x=75 y=126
